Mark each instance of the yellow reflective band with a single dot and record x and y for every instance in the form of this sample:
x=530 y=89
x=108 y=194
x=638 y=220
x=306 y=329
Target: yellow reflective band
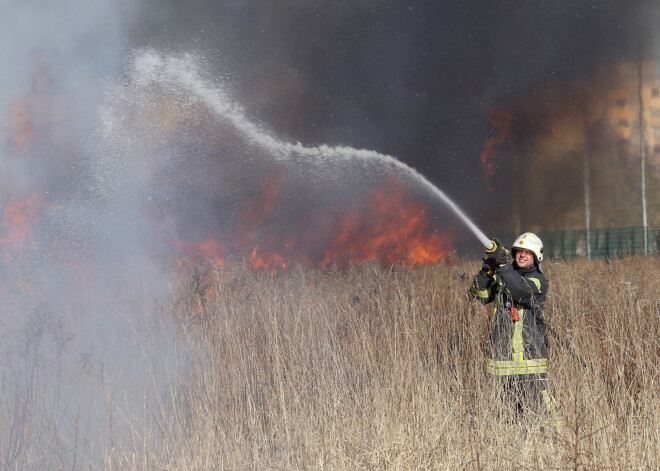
x=555 y=419
x=511 y=364
x=525 y=367
x=536 y=281
x=547 y=400
x=518 y=349
x=480 y=293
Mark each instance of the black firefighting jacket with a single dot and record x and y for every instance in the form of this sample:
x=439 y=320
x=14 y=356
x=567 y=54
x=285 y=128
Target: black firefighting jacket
x=520 y=346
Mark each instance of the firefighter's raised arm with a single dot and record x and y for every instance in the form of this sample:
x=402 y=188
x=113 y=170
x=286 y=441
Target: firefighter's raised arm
x=524 y=278
x=523 y=290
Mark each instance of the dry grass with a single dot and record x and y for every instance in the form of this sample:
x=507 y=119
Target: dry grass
x=361 y=369
x=382 y=369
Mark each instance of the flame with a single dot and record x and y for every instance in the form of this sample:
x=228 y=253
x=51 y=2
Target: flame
x=501 y=121
x=245 y=233
x=18 y=218
x=34 y=109
x=19 y=215
x=209 y=250
x=267 y=260
x=389 y=226
x=386 y=225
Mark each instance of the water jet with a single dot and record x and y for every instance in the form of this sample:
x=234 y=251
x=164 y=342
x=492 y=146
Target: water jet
x=183 y=75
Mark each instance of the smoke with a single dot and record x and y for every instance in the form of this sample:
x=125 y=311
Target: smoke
x=206 y=171
x=572 y=152
x=415 y=81
x=78 y=330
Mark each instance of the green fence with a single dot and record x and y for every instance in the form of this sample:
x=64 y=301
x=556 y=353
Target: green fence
x=597 y=243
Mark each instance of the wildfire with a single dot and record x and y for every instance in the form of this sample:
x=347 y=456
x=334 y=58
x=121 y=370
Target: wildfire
x=386 y=225
x=389 y=226
x=19 y=215
x=18 y=218
x=210 y=250
x=34 y=109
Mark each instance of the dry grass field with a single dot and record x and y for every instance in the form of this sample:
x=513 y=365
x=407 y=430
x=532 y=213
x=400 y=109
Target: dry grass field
x=381 y=369
x=359 y=369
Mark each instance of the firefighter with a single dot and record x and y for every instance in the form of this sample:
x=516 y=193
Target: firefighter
x=517 y=350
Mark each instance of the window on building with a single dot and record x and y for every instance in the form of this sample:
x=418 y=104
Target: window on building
x=623 y=123
x=656 y=148
x=655 y=92
x=621 y=102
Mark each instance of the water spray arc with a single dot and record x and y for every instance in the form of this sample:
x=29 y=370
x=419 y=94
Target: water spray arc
x=183 y=73
x=642 y=151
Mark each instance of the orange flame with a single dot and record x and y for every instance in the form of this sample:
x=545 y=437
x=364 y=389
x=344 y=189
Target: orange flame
x=391 y=227
x=386 y=225
x=18 y=217
x=35 y=106
x=267 y=260
x=209 y=250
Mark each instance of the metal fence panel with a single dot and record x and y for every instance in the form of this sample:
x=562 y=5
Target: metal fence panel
x=597 y=243
x=600 y=243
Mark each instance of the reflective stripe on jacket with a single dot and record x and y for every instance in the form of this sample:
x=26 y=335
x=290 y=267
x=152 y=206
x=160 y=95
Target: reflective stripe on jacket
x=521 y=346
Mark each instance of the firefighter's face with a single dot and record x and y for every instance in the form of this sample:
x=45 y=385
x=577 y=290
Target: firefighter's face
x=524 y=258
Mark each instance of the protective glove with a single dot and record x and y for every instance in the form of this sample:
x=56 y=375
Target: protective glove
x=500 y=255
x=488 y=267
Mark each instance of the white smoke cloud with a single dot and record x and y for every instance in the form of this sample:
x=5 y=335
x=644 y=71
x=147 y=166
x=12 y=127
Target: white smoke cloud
x=78 y=332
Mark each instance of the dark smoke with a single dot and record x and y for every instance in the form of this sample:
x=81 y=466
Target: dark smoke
x=413 y=80
x=186 y=151
x=569 y=143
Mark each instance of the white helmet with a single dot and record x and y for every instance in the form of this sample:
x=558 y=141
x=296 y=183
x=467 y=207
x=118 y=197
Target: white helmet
x=529 y=241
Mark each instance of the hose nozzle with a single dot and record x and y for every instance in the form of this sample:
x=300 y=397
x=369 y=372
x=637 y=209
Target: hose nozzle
x=493 y=247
